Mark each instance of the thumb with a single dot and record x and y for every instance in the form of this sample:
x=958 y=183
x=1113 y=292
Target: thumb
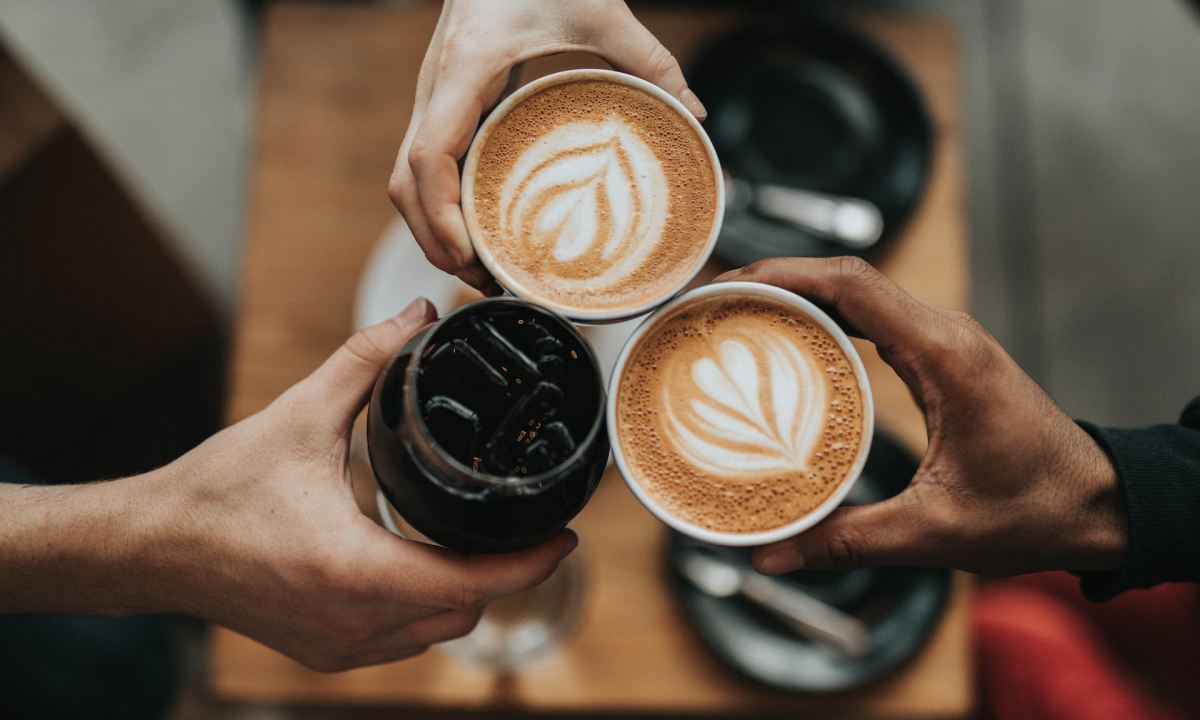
x=628 y=46
x=340 y=386
x=883 y=533
x=865 y=301
x=907 y=332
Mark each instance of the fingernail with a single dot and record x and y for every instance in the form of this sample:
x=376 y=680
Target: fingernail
x=693 y=104
x=725 y=276
x=777 y=560
x=415 y=311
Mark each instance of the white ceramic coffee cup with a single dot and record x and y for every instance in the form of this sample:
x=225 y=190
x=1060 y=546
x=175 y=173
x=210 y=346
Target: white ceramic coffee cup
x=501 y=274
x=810 y=311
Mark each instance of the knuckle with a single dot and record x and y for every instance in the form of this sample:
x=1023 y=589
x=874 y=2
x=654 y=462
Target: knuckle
x=660 y=62
x=965 y=348
x=445 y=262
x=765 y=265
x=960 y=317
x=854 y=268
x=459 y=44
x=398 y=189
x=362 y=347
x=842 y=552
x=421 y=154
x=978 y=355
x=965 y=324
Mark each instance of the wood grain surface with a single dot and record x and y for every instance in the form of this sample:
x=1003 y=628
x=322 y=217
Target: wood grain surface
x=336 y=91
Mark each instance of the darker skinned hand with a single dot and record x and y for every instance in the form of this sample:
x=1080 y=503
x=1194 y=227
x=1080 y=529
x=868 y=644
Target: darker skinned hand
x=1008 y=484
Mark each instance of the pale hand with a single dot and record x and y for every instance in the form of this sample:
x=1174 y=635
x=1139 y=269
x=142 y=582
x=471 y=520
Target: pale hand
x=257 y=529
x=468 y=67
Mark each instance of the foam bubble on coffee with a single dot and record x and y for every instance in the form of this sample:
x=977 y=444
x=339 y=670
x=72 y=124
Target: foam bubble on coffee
x=594 y=194
x=739 y=414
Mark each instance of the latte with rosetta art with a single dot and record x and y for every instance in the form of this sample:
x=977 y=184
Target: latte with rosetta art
x=594 y=195
x=739 y=414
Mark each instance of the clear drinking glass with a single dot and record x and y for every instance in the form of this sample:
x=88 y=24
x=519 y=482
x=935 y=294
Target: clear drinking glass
x=521 y=628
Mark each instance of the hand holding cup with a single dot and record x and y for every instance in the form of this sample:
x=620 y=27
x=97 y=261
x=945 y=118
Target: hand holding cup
x=468 y=67
x=1008 y=484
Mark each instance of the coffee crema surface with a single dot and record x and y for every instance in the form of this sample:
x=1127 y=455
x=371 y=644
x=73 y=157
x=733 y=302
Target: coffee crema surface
x=595 y=195
x=739 y=414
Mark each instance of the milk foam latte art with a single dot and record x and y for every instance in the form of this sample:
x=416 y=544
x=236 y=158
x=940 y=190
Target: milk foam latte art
x=751 y=404
x=740 y=414
x=592 y=193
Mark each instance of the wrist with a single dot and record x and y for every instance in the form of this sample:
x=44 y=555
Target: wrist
x=146 y=560
x=1101 y=530
x=168 y=549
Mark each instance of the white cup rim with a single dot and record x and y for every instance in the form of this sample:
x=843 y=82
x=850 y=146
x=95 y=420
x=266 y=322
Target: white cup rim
x=764 y=537
x=503 y=277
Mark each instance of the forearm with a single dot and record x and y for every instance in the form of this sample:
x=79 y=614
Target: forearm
x=90 y=549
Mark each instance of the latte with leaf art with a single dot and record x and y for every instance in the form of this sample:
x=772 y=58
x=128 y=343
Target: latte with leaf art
x=739 y=414
x=592 y=196
x=589 y=203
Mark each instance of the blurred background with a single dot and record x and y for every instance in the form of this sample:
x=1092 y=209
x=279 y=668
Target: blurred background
x=1082 y=155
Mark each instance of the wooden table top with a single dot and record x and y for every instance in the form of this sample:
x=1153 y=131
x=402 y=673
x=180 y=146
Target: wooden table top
x=335 y=94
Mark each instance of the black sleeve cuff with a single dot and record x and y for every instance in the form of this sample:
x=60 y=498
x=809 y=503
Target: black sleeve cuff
x=1191 y=415
x=1159 y=472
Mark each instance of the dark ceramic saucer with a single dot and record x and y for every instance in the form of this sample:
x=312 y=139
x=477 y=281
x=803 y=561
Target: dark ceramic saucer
x=808 y=103
x=901 y=606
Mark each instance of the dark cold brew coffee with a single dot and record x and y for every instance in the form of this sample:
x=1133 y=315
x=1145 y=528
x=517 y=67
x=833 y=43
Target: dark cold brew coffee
x=486 y=433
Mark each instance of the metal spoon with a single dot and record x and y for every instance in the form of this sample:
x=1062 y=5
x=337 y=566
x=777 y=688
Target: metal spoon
x=805 y=614
x=852 y=222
